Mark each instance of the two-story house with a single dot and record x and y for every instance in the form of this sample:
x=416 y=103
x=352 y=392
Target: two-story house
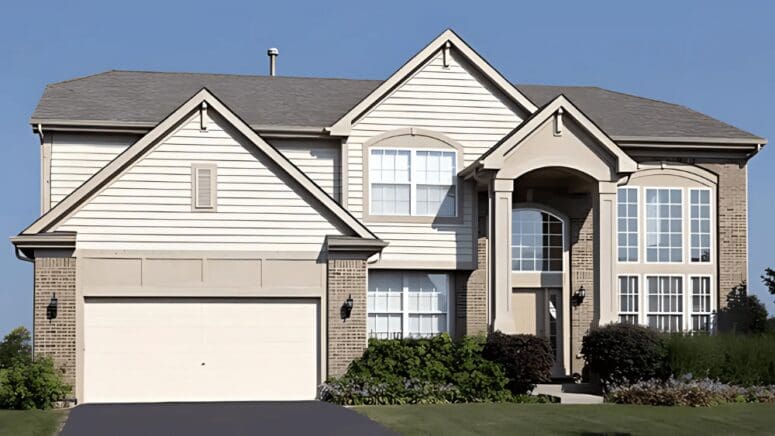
x=224 y=237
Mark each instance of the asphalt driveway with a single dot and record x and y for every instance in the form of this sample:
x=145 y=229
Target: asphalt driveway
x=219 y=419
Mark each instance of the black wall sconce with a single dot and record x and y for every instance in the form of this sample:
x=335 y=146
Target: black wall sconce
x=578 y=297
x=51 y=309
x=347 y=307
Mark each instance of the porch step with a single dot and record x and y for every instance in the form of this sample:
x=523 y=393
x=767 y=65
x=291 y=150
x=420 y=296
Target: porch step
x=557 y=391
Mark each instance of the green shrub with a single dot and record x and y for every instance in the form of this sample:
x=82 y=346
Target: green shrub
x=15 y=348
x=31 y=385
x=688 y=392
x=736 y=359
x=621 y=354
x=412 y=371
x=526 y=359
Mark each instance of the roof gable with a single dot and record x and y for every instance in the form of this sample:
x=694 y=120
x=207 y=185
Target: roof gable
x=498 y=154
x=49 y=221
x=447 y=39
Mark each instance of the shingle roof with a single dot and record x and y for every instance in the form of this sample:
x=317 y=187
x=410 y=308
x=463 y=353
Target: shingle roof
x=147 y=97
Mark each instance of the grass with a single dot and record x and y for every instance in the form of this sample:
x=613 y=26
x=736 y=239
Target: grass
x=31 y=422
x=509 y=419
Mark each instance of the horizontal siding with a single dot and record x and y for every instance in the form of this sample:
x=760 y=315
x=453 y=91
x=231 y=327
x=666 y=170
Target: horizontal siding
x=76 y=157
x=457 y=102
x=318 y=159
x=149 y=206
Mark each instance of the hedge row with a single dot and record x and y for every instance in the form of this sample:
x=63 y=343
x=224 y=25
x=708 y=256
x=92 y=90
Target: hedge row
x=622 y=354
x=440 y=370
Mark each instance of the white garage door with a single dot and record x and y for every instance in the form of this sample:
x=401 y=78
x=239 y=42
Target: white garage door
x=155 y=350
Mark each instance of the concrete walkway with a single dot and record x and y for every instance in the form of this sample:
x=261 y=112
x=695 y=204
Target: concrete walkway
x=557 y=391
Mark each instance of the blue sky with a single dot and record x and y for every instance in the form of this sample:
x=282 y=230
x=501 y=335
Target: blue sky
x=717 y=58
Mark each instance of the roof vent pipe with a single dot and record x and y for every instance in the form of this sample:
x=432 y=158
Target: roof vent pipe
x=272 y=53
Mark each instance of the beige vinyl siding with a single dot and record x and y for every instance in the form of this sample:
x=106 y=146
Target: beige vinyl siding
x=317 y=158
x=457 y=102
x=149 y=206
x=75 y=157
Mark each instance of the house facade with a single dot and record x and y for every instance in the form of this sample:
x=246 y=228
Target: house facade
x=213 y=237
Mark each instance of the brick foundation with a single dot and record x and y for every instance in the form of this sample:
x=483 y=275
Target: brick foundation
x=55 y=338
x=346 y=337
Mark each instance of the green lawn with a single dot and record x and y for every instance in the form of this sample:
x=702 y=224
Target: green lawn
x=31 y=422
x=511 y=419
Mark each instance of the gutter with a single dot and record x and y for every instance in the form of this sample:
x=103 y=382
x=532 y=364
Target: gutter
x=141 y=128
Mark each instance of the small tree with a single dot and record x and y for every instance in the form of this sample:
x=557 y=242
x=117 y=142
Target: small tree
x=769 y=280
x=15 y=348
x=744 y=313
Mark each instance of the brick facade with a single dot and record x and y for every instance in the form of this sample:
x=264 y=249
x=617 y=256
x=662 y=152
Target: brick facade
x=471 y=295
x=56 y=337
x=732 y=226
x=346 y=337
x=582 y=273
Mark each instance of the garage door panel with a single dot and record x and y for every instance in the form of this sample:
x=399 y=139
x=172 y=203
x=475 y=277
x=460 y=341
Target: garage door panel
x=148 y=350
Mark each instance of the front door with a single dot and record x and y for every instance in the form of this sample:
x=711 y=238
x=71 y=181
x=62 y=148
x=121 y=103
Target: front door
x=539 y=312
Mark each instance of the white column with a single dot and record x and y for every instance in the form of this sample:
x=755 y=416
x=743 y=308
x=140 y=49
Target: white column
x=606 y=230
x=500 y=242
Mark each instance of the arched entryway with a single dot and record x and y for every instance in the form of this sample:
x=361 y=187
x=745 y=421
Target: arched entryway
x=539 y=268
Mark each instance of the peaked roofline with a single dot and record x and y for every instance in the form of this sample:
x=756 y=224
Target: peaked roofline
x=492 y=158
x=109 y=172
x=342 y=126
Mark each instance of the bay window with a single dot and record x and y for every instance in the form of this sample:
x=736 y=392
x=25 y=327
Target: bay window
x=410 y=304
x=413 y=182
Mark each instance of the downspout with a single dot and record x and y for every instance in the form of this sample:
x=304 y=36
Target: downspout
x=40 y=133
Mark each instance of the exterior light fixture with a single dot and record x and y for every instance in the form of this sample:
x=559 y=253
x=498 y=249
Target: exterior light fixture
x=51 y=309
x=347 y=307
x=579 y=296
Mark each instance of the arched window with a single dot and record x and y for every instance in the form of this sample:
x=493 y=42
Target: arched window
x=536 y=241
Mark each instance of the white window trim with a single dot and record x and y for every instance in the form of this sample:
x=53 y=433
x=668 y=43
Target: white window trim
x=564 y=242
x=712 y=225
x=195 y=167
x=639 y=218
x=405 y=313
x=684 y=226
x=413 y=183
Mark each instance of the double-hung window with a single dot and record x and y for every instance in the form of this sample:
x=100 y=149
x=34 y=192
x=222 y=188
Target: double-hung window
x=407 y=304
x=629 y=299
x=390 y=175
x=701 y=303
x=664 y=225
x=665 y=302
x=413 y=182
x=627 y=224
x=699 y=216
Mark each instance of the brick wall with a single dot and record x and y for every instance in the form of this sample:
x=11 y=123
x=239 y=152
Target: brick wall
x=732 y=226
x=471 y=295
x=346 y=338
x=55 y=338
x=582 y=273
